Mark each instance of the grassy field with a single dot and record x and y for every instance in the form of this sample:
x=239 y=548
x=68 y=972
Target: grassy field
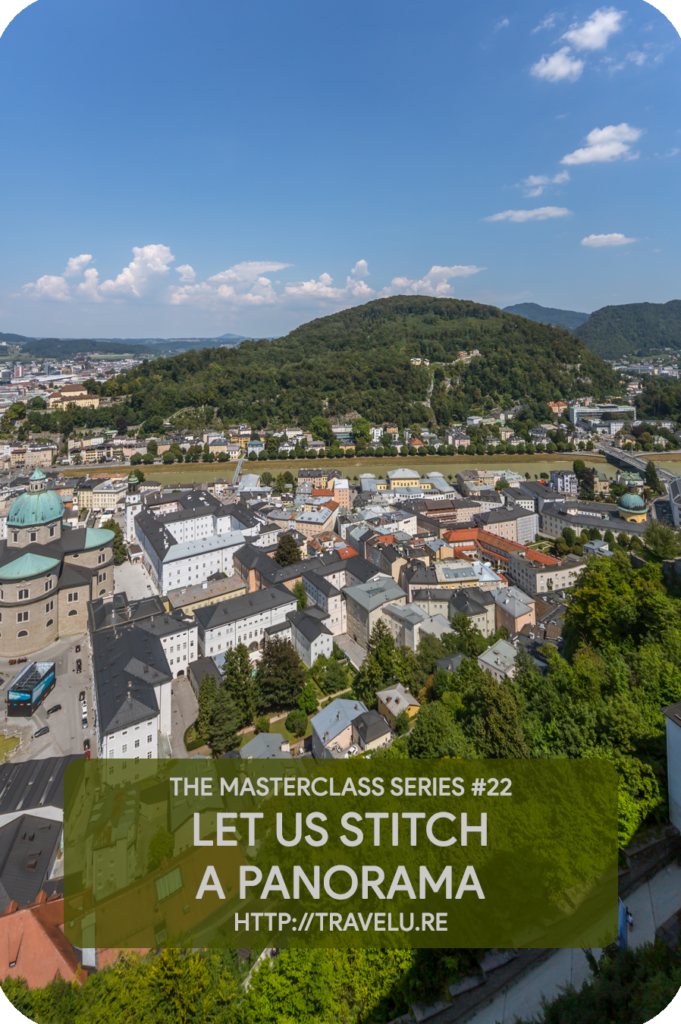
x=450 y=465
x=7 y=745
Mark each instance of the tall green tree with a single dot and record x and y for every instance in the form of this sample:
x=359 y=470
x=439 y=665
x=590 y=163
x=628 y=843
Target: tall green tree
x=120 y=552
x=161 y=844
x=652 y=479
x=288 y=552
x=280 y=676
x=224 y=722
x=238 y=679
x=378 y=667
x=492 y=720
x=662 y=540
x=300 y=594
x=438 y=734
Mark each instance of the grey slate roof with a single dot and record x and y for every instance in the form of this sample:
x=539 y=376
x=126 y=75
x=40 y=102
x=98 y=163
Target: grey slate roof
x=371 y=726
x=27 y=846
x=127 y=663
x=214 y=615
x=322 y=584
x=451 y=663
x=120 y=612
x=265 y=745
x=32 y=785
x=503 y=515
x=310 y=626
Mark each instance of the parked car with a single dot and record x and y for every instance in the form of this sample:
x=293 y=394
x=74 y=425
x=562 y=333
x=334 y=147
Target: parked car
x=12 y=661
x=19 y=660
x=86 y=744
x=81 y=696
x=77 y=648
x=79 y=666
x=87 y=754
x=52 y=711
x=84 y=722
x=41 y=732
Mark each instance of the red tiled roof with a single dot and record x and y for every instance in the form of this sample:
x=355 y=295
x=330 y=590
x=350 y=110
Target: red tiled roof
x=33 y=946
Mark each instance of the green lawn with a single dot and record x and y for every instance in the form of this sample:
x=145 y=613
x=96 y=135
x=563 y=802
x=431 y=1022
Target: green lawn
x=7 y=745
x=200 y=471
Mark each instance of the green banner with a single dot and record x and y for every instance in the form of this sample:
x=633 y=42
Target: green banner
x=451 y=853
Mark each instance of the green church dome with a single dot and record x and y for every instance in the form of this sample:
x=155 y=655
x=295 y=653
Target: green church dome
x=97 y=538
x=37 y=505
x=631 y=502
x=28 y=565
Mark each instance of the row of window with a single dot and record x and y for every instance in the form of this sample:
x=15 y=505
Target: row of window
x=125 y=765
x=124 y=748
x=33 y=535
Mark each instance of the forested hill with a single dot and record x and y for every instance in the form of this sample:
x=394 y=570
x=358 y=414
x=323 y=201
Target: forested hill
x=567 y=318
x=639 y=327
x=359 y=360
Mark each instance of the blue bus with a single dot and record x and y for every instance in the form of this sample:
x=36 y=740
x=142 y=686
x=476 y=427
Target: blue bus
x=30 y=688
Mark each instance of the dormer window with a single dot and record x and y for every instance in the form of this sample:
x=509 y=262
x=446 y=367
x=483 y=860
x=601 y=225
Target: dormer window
x=15 y=536
x=34 y=536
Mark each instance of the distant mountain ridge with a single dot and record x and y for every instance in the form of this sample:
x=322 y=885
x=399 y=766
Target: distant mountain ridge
x=635 y=328
x=68 y=348
x=567 y=318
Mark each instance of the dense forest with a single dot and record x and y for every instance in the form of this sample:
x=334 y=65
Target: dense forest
x=567 y=318
x=636 y=328
x=358 y=361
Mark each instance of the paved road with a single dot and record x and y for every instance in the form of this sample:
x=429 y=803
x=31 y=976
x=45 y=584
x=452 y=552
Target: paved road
x=355 y=653
x=134 y=580
x=650 y=905
x=66 y=734
x=185 y=708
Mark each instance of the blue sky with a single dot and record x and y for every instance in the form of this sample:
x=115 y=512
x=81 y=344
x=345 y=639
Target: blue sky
x=173 y=168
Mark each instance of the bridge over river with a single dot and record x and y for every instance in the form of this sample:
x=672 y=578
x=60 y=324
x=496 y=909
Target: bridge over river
x=631 y=460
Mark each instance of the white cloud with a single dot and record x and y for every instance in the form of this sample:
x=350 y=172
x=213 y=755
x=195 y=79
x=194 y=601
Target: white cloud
x=89 y=288
x=599 y=241
x=594 y=33
x=49 y=287
x=520 y=216
x=324 y=289
x=606 y=144
x=548 y=22
x=145 y=271
x=244 y=284
x=502 y=24
x=186 y=272
x=436 y=282
x=638 y=58
x=558 y=67
x=536 y=183
x=76 y=264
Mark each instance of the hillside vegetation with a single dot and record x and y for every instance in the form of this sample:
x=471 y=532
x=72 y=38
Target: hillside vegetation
x=358 y=360
x=637 y=328
x=567 y=318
